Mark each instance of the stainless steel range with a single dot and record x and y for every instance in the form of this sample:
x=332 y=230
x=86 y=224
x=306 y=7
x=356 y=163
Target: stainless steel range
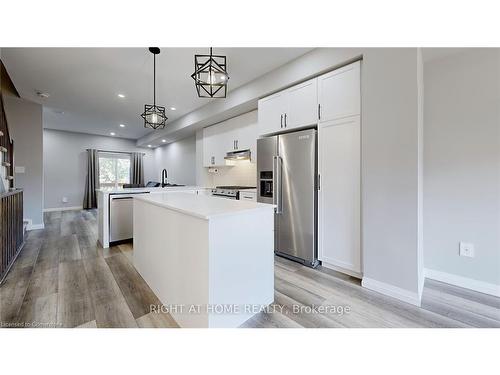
x=230 y=192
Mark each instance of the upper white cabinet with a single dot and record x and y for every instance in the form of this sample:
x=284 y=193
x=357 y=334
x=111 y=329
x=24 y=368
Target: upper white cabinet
x=214 y=144
x=236 y=134
x=339 y=93
x=302 y=105
x=271 y=113
x=292 y=108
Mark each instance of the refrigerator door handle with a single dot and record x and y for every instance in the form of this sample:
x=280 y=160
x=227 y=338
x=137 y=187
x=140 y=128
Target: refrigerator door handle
x=279 y=182
x=274 y=181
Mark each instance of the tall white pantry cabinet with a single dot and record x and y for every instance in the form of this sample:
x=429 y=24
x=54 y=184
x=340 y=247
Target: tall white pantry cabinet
x=331 y=101
x=339 y=169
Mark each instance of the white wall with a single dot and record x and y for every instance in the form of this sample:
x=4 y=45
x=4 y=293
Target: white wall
x=65 y=163
x=25 y=126
x=462 y=163
x=391 y=153
x=179 y=159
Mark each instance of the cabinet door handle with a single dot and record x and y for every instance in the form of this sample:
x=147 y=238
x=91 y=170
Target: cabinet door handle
x=285 y=120
x=213 y=160
x=319 y=111
x=281 y=121
x=236 y=144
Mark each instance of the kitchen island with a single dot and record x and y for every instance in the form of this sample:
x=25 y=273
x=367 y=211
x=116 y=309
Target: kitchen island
x=210 y=261
x=122 y=230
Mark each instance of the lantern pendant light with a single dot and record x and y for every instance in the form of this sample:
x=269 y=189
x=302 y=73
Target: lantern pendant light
x=154 y=115
x=210 y=75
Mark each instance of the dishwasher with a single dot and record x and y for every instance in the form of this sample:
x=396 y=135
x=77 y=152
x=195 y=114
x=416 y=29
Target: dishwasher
x=121 y=216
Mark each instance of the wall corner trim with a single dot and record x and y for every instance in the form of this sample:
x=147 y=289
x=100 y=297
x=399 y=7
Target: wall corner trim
x=391 y=291
x=463 y=282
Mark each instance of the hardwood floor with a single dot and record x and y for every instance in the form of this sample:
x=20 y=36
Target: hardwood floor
x=63 y=278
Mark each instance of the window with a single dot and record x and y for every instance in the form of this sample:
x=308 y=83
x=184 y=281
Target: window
x=114 y=169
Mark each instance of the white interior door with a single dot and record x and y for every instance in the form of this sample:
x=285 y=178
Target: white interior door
x=339 y=201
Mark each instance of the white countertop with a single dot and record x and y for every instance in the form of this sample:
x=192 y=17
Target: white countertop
x=202 y=206
x=148 y=189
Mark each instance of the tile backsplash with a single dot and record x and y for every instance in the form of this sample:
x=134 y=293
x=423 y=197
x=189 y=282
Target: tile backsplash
x=243 y=173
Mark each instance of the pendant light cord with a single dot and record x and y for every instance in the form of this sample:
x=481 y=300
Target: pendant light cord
x=154 y=80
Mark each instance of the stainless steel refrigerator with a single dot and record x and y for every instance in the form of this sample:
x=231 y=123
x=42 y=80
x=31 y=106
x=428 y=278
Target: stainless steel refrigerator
x=287 y=177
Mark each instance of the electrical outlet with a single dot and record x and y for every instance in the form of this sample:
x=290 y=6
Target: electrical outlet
x=466 y=249
x=65 y=199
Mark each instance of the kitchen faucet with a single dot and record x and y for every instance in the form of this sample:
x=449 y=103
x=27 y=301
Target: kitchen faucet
x=164 y=178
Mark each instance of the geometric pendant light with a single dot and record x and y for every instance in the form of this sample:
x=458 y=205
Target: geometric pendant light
x=154 y=115
x=210 y=75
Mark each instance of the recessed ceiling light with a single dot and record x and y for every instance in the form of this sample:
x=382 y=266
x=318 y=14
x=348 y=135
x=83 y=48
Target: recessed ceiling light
x=112 y=133
x=122 y=125
x=163 y=140
x=150 y=146
x=173 y=108
x=121 y=96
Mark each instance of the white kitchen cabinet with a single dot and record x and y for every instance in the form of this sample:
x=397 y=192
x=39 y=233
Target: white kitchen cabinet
x=271 y=112
x=246 y=134
x=339 y=92
x=215 y=141
x=236 y=134
x=302 y=105
x=292 y=108
x=207 y=192
x=339 y=201
x=248 y=196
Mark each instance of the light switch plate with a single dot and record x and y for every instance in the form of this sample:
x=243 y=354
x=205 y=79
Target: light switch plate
x=19 y=169
x=466 y=249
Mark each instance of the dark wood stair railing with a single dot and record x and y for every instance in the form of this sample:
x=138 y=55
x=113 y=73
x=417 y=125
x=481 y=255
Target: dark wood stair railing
x=11 y=200
x=11 y=229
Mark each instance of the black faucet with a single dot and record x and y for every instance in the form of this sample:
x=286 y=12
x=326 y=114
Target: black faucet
x=164 y=178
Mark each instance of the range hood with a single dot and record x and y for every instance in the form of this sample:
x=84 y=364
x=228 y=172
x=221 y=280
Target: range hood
x=238 y=155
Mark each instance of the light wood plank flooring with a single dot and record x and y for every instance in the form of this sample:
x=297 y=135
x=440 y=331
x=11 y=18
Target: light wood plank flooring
x=63 y=278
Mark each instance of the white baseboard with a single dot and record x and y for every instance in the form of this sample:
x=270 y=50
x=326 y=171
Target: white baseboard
x=346 y=271
x=391 y=291
x=463 y=282
x=72 y=208
x=31 y=226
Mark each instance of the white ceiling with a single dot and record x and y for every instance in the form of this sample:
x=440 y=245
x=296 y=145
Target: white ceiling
x=84 y=83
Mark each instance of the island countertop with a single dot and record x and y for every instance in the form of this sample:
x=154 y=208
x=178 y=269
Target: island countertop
x=112 y=190
x=204 y=207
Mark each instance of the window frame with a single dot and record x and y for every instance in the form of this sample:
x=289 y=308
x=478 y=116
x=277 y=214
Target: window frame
x=115 y=156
